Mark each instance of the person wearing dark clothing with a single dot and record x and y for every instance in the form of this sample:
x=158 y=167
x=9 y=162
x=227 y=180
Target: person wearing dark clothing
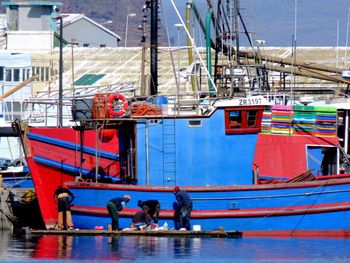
x=63 y=198
x=141 y=218
x=153 y=208
x=184 y=207
x=114 y=206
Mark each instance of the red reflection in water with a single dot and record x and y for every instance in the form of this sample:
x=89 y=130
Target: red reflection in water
x=53 y=247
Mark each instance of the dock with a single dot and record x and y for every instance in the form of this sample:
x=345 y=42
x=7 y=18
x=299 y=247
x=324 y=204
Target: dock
x=157 y=233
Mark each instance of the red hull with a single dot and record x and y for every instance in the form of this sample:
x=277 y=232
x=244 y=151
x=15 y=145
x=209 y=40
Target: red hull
x=47 y=178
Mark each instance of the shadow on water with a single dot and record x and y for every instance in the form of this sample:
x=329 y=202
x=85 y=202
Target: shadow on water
x=164 y=249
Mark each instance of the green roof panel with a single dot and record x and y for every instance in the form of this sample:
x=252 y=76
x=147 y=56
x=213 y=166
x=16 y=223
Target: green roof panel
x=88 y=79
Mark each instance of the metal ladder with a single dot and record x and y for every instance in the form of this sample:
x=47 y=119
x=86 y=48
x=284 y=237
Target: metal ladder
x=344 y=157
x=169 y=150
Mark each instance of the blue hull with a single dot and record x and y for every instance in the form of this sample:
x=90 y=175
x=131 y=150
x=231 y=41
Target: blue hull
x=280 y=208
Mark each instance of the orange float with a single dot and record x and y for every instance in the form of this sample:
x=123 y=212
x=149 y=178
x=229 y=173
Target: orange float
x=112 y=101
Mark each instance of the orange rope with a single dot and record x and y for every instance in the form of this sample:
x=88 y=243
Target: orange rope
x=142 y=109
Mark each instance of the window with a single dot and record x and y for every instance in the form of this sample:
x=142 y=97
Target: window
x=8 y=73
x=42 y=74
x=103 y=45
x=85 y=45
x=1 y=73
x=195 y=123
x=154 y=121
x=251 y=118
x=24 y=71
x=47 y=76
x=16 y=74
x=243 y=119
x=235 y=119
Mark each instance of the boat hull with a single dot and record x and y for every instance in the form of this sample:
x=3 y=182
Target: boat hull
x=146 y=158
x=307 y=209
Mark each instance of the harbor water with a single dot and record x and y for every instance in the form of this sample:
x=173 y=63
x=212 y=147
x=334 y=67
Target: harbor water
x=61 y=248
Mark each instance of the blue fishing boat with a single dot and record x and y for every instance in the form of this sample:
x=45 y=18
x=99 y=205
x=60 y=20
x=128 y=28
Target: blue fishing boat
x=238 y=177
x=248 y=163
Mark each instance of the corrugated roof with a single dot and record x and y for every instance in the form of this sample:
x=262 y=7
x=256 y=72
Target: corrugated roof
x=123 y=66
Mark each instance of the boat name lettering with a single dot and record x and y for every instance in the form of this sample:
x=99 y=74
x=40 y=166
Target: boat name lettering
x=245 y=102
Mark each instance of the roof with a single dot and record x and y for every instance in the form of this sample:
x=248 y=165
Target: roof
x=72 y=18
x=122 y=65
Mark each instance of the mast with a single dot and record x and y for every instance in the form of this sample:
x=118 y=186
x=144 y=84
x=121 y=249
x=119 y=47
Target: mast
x=143 y=58
x=154 y=47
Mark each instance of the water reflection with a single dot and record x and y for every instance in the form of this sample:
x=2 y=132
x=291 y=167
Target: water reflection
x=53 y=247
x=165 y=249
x=182 y=247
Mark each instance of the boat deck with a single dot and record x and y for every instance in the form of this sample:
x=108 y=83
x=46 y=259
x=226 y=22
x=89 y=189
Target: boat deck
x=160 y=233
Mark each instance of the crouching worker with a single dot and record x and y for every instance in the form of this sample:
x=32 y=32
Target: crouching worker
x=153 y=209
x=114 y=206
x=63 y=198
x=141 y=219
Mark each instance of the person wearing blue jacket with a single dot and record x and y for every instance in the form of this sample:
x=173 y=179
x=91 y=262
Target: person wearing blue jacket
x=114 y=206
x=184 y=207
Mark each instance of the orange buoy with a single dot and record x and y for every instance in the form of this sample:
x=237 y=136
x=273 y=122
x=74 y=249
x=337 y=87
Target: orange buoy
x=106 y=135
x=114 y=100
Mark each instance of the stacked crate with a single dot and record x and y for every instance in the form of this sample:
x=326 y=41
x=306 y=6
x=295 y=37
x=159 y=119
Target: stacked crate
x=304 y=120
x=266 y=121
x=326 y=121
x=282 y=119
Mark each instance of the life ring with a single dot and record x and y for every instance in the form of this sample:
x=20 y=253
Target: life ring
x=111 y=103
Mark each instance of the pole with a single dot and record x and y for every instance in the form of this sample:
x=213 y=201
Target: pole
x=126 y=30
x=178 y=54
x=73 y=88
x=337 y=43
x=347 y=38
x=60 y=91
x=126 y=27
x=143 y=55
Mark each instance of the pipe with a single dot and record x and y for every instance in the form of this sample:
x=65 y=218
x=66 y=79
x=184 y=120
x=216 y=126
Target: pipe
x=147 y=154
x=208 y=50
x=189 y=42
x=60 y=90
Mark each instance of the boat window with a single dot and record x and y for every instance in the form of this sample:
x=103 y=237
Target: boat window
x=243 y=119
x=154 y=121
x=194 y=123
x=323 y=160
x=251 y=118
x=235 y=119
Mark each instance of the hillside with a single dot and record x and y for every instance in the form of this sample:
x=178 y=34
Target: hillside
x=270 y=20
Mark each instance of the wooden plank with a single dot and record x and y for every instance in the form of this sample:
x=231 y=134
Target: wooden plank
x=164 y=233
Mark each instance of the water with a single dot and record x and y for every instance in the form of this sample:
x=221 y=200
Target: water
x=61 y=248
